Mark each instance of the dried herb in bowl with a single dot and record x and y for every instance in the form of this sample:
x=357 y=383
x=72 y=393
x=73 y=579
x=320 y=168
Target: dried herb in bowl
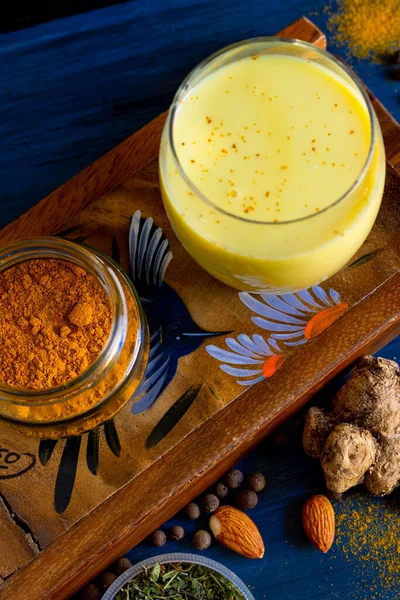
x=180 y=581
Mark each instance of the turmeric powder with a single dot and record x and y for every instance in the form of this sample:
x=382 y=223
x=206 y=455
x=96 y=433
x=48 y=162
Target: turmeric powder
x=369 y=28
x=55 y=318
x=368 y=534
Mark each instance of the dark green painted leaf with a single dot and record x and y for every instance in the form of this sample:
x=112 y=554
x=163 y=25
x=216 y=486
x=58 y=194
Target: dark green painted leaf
x=66 y=474
x=112 y=437
x=172 y=416
x=92 y=451
x=66 y=232
x=46 y=448
x=366 y=258
x=115 y=253
x=80 y=239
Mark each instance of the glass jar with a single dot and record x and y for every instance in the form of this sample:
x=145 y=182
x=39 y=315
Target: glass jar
x=250 y=253
x=110 y=382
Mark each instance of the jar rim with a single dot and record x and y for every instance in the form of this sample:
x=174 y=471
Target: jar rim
x=54 y=248
x=186 y=84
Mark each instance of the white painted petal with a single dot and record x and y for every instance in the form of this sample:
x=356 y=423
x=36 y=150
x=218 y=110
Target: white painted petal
x=262 y=345
x=142 y=247
x=307 y=297
x=236 y=347
x=246 y=341
x=270 y=326
x=295 y=302
x=151 y=252
x=278 y=303
x=335 y=296
x=231 y=357
x=164 y=265
x=158 y=261
x=133 y=240
x=287 y=336
x=266 y=311
x=250 y=381
x=240 y=372
x=296 y=343
x=274 y=345
x=321 y=294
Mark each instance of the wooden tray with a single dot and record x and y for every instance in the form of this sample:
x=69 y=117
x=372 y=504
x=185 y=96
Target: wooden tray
x=59 y=530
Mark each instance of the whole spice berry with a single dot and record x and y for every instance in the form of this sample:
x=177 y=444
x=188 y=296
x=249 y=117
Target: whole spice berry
x=158 y=538
x=90 y=592
x=106 y=580
x=246 y=499
x=120 y=566
x=233 y=478
x=220 y=490
x=210 y=503
x=256 y=482
x=176 y=533
x=201 y=540
x=191 y=511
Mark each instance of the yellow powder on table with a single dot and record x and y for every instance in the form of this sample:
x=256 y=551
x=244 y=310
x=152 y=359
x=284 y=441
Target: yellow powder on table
x=368 y=531
x=369 y=28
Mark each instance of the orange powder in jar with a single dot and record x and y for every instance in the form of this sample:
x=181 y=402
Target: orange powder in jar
x=55 y=319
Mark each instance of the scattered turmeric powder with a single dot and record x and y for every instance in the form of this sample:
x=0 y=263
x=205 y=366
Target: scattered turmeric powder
x=55 y=320
x=369 y=28
x=368 y=530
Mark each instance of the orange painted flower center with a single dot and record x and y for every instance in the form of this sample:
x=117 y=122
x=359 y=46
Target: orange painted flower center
x=324 y=319
x=272 y=364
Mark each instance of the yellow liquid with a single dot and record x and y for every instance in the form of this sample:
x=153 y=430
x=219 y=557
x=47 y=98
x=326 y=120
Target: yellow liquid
x=270 y=143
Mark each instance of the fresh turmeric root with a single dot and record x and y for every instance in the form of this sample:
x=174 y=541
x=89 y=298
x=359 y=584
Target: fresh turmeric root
x=359 y=440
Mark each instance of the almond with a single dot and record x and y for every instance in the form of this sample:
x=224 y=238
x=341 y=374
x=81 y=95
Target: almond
x=235 y=530
x=319 y=522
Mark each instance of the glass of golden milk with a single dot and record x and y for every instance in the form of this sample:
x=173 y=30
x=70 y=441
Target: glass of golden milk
x=272 y=165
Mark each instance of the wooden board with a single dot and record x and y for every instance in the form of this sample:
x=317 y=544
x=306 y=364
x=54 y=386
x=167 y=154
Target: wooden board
x=161 y=467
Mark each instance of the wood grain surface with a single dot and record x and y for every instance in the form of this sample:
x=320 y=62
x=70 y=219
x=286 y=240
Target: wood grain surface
x=114 y=511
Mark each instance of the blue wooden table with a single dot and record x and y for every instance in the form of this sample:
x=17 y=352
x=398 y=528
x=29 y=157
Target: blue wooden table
x=72 y=89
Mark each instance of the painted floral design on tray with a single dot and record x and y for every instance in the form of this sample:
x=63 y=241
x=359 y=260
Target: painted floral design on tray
x=290 y=320
x=173 y=334
x=173 y=331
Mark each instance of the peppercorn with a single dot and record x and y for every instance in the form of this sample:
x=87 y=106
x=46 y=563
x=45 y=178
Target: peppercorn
x=120 y=566
x=201 y=540
x=176 y=533
x=220 y=490
x=246 y=499
x=90 y=592
x=191 y=511
x=210 y=503
x=158 y=538
x=233 y=478
x=106 y=580
x=255 y=482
